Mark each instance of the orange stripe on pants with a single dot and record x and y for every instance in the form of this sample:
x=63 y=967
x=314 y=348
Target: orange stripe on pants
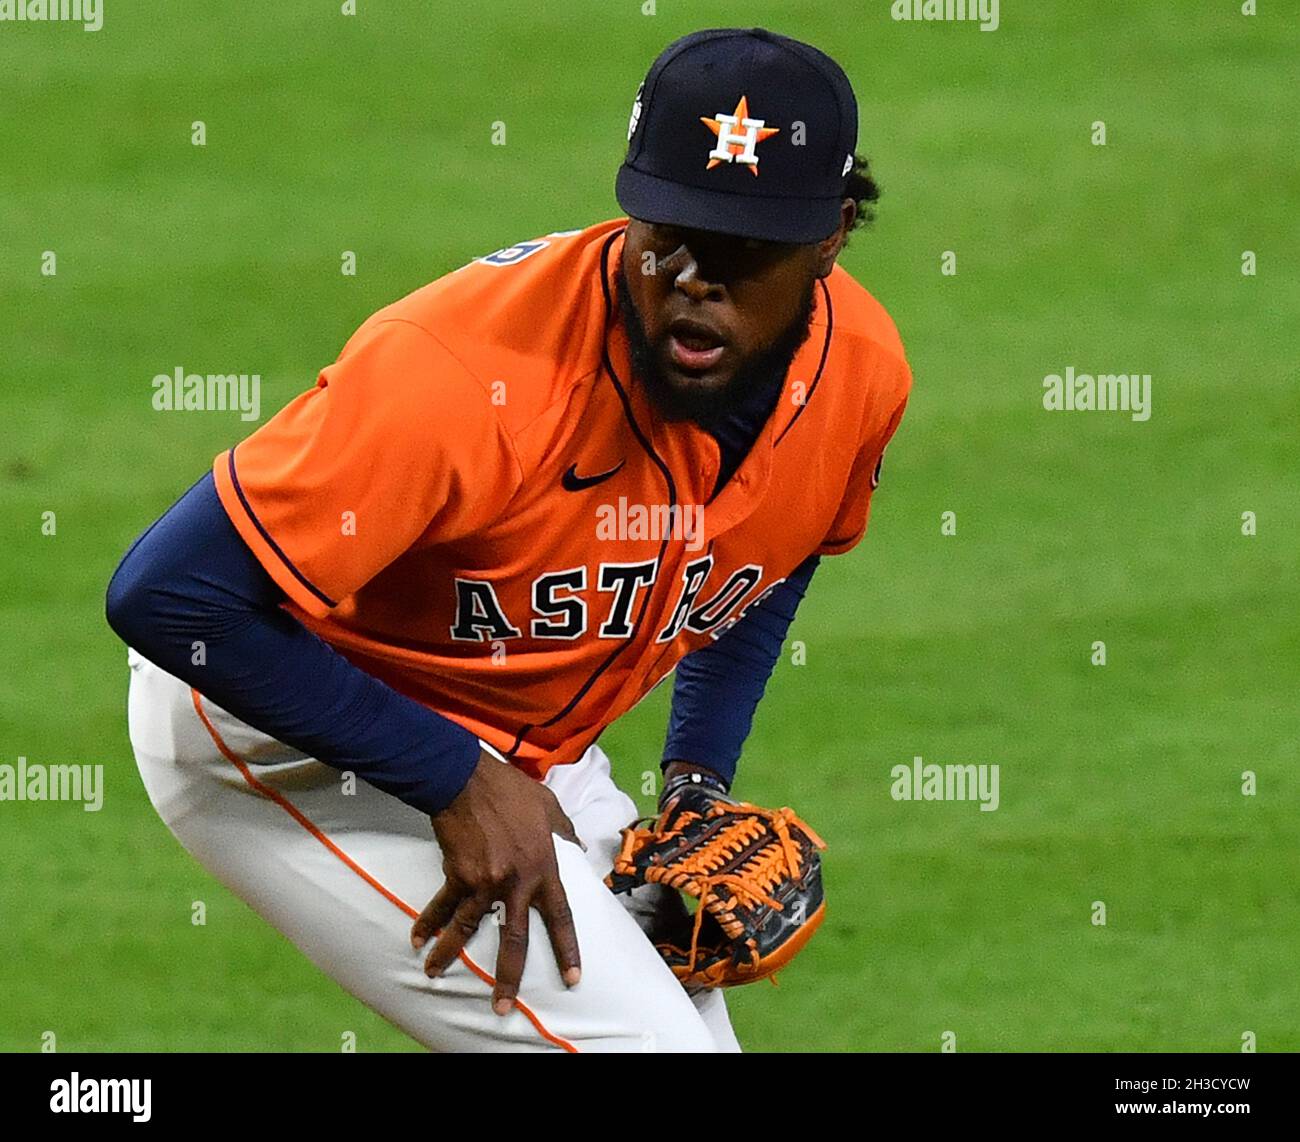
x=302 y=819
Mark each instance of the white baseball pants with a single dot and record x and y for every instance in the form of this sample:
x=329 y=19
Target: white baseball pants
x=343 y=869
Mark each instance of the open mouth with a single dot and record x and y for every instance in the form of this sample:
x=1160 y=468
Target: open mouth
x=693 y=346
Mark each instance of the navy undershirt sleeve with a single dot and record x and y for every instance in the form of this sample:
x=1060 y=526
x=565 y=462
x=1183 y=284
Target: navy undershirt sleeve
x=191 y=578
x=718 y=687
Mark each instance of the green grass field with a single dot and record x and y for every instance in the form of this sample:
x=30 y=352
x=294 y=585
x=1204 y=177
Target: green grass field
x=1119 y=783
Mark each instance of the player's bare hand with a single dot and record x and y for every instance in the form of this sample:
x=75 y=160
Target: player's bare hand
x=496 y=846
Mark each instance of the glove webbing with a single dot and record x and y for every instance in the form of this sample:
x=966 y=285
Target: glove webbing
x=698 y=871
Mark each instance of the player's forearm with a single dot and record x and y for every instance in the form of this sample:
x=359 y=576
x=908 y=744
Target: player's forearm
x=718 y=687
x=191 y=580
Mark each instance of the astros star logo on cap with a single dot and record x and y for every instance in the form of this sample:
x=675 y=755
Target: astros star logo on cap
x=737 y=146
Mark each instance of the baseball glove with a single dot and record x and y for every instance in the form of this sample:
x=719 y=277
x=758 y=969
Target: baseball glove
x=755 y=875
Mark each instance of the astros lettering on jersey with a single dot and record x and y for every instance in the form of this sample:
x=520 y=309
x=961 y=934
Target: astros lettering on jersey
x=477 y=504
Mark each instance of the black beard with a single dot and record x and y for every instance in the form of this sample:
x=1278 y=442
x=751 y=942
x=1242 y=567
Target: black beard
x=765 y=371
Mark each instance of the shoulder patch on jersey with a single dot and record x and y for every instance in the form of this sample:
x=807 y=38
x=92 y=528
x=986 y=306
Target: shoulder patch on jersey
x=512 y=255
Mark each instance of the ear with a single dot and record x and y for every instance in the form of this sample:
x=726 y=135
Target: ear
x=828 y=249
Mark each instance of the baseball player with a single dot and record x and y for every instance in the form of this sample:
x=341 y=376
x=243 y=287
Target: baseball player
x=375 y=647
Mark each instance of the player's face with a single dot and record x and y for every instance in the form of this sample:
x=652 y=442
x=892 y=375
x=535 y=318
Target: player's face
x=714 y=313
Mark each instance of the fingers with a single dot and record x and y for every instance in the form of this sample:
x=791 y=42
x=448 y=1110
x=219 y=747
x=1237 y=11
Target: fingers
x=456 y=933
x=436 y=913
x=511 y=953
x=454 y=918
x=501 y=850
x=554 y=907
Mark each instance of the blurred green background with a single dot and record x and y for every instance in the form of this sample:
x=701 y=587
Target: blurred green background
x=1119 y=783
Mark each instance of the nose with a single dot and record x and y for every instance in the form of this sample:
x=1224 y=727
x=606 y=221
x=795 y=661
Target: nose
x=690 y=279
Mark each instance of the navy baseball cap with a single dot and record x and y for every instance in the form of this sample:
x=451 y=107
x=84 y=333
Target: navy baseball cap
x=744 y=132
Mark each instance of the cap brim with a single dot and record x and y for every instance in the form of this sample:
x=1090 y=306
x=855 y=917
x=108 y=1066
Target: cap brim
x=796 y=220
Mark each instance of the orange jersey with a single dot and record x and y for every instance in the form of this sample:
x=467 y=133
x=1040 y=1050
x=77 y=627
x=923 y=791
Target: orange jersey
x=477 y=504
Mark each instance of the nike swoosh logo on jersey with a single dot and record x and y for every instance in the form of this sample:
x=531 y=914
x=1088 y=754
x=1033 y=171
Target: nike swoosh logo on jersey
x=572 y=482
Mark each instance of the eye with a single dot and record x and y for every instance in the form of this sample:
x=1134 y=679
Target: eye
x=666 y=234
